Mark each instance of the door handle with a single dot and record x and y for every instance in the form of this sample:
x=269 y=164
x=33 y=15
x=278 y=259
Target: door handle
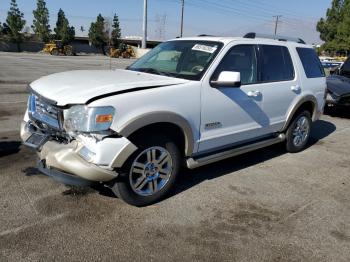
x=295 y=88
x=254 y=93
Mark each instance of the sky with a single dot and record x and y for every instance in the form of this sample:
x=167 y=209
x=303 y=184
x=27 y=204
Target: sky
x=220 y=18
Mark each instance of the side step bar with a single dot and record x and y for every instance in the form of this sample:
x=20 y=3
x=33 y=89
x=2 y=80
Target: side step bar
x=193 y=163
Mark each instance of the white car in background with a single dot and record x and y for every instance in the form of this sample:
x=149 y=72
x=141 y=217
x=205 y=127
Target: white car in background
x=188 y=102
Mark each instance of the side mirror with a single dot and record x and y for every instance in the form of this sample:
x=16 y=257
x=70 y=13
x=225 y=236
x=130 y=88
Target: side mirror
x=227 y=79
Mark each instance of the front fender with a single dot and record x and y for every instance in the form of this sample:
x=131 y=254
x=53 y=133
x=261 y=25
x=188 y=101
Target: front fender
x=160 y=117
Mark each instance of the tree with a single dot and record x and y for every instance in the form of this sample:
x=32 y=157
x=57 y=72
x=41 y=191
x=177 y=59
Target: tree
x=5 y=29
x=328 y=27
x=97 y=34
x=116 y=32
x=41 y=25
x=335 y=28
x=343 y=28
x=63 y=31
x=14 y=24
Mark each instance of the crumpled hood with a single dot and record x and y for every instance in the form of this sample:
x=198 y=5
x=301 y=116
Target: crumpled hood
x=78 y=87
x=339 y=85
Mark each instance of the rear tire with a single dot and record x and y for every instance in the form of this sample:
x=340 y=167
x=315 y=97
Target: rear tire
x=298 y=133
x=150 y=173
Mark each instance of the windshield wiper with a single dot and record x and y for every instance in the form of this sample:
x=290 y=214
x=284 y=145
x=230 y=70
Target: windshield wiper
x=151 y=70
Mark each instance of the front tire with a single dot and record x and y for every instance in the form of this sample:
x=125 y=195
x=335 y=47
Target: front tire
x=150 y=173
x=298 y=133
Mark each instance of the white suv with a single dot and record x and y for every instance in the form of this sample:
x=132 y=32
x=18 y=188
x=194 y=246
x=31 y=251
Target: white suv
x=189 y=101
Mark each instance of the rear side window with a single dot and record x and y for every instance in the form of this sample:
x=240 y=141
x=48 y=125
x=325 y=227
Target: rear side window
x=311 y=63
x=275 y=64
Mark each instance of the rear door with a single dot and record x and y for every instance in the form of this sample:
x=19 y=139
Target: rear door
x=312 y=73
x=279 y=83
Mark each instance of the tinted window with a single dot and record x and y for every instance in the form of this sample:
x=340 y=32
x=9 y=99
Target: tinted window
x=241 y=58
x=276 y=63
x=311 y=63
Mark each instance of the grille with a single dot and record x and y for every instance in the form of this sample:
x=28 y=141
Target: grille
x=43 y=111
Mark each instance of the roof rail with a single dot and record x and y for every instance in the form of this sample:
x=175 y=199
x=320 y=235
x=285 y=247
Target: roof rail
x=275 y=37
x=203 y=35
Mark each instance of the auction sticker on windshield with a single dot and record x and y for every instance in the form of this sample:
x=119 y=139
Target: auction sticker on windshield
x=204 y=48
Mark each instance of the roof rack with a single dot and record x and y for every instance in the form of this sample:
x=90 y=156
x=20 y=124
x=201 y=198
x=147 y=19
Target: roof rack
x=203 y=35
x=275 y=37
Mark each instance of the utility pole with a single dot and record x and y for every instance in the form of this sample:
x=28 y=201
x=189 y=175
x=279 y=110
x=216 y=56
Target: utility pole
x=182 y=17
x=277 y=20
x=144 y=27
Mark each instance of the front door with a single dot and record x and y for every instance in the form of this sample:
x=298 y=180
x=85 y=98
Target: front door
x=233 y=115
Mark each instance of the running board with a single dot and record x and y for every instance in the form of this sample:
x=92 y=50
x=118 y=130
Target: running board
x=193 y=163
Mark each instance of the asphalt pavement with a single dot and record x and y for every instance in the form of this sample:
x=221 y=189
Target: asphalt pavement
x=267 y=205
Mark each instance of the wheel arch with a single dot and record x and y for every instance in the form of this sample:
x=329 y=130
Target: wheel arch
x=164 y=120
x=308 y=102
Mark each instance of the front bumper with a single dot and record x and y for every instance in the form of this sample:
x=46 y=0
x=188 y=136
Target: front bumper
x=97 y=166
x=62 y=177
x=338 y=100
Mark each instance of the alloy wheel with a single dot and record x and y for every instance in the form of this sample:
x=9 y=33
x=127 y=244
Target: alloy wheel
x=150 y=171
x=301 y=131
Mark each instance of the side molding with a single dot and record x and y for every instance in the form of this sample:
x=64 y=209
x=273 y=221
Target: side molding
x=160 y=117
x=194 y=163
x=294 y=109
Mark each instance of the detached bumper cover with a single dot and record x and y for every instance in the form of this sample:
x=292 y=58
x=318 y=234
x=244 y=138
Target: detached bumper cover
x=64 y=178
x=66 y=158
x=70 y=159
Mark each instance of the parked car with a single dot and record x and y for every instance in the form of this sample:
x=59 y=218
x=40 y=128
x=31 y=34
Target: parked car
x=330 y=65
x=188 y=102
x=338 y=86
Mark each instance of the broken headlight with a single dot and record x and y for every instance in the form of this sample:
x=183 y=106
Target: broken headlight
x=81 y=118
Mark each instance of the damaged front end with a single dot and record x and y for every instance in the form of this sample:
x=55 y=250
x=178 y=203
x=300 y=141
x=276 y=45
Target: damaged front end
x=75 y=145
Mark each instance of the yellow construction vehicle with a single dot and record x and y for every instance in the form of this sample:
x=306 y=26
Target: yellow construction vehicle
x=56 y=48
x=124 y=51
x=341 y=58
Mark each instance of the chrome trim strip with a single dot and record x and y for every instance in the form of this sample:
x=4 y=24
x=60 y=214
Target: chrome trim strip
x=44 y=112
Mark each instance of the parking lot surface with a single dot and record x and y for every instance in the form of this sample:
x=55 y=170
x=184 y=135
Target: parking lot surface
x=267 y=205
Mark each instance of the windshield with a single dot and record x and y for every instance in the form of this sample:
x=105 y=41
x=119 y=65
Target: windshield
x=181 y=58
